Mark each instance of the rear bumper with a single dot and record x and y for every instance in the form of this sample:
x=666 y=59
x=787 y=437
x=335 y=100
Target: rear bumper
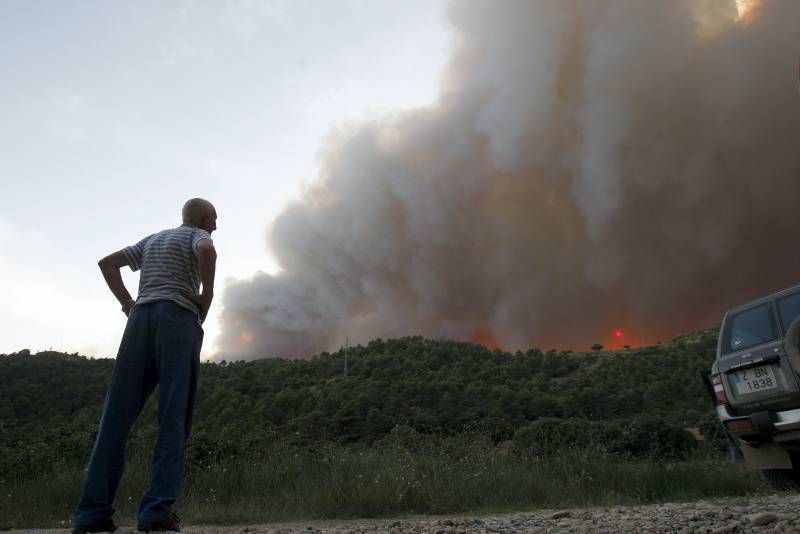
x=788 y=420
x=774 y=426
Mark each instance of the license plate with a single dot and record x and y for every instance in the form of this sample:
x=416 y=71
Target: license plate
x=754 y=379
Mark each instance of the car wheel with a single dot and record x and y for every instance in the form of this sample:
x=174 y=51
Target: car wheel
x=780 y=479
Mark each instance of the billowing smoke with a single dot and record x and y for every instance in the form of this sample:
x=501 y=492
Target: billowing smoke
x=589 y=165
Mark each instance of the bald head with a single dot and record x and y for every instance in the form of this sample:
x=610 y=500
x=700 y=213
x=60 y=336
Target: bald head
x=201 y=213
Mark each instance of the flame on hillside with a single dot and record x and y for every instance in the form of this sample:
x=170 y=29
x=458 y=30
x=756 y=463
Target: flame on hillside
x=486 y=339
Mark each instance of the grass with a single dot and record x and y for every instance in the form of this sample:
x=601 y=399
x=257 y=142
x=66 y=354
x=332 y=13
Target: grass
x=282 y=482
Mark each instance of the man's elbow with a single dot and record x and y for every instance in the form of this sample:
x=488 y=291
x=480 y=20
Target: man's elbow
x=117 y=260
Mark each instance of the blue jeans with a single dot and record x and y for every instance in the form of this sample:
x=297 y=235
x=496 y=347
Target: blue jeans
x=161 y=345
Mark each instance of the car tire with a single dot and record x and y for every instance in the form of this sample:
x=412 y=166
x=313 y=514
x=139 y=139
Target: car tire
x=781 y=479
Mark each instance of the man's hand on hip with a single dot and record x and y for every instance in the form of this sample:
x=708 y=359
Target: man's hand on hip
x=203 y=303
x=110 y=266
x=128 y=306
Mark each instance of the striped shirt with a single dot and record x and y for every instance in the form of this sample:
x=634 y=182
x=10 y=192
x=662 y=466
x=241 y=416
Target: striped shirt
x=168 y=260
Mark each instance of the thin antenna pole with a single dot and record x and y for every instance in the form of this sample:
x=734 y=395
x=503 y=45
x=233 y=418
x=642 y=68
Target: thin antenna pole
x=346 y=344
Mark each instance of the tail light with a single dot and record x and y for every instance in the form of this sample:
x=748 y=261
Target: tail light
x=739 y=425
x=719 y=391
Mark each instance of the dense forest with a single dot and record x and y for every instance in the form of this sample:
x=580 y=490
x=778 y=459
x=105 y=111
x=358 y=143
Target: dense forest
x=50 y=402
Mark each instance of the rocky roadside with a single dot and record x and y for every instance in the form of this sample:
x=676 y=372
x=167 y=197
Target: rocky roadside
x=773 y=513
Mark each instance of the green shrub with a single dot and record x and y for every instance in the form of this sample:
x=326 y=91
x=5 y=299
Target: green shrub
x=645 y=437
x=650 y=437
x=716 y=439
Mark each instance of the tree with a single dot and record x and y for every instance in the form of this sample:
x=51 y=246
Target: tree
x=597 y=346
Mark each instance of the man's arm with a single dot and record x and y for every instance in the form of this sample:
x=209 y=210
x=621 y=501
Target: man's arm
x=110 y=267
x=207 y=263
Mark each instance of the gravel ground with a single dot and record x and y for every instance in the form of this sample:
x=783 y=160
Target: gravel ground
x=775 y=513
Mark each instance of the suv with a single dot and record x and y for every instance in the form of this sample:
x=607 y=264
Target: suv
x=756 y=384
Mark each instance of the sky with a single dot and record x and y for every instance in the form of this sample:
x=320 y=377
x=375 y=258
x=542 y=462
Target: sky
x=113 y=113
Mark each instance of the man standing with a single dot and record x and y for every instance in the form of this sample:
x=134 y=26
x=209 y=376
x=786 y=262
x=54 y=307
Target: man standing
x=161 y=345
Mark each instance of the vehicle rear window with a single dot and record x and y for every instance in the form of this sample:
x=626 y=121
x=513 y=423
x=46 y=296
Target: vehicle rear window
x=749 y=328
x=789 y=309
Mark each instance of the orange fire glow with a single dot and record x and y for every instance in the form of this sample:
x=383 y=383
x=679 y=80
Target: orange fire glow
x=711 y=22
x=246 y=337
x=747 y=10
x=619 y=338
x=486 y=339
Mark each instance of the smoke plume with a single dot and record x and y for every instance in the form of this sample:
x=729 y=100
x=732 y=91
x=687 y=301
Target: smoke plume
x=588 y=166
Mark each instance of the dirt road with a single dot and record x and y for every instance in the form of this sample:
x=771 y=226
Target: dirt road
x=775 y=513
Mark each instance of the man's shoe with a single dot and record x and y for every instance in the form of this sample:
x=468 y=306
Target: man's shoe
x=105 y=526
x=171 y=523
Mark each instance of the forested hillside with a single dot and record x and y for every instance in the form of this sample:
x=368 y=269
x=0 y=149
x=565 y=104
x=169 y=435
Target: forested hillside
x=50 y=402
